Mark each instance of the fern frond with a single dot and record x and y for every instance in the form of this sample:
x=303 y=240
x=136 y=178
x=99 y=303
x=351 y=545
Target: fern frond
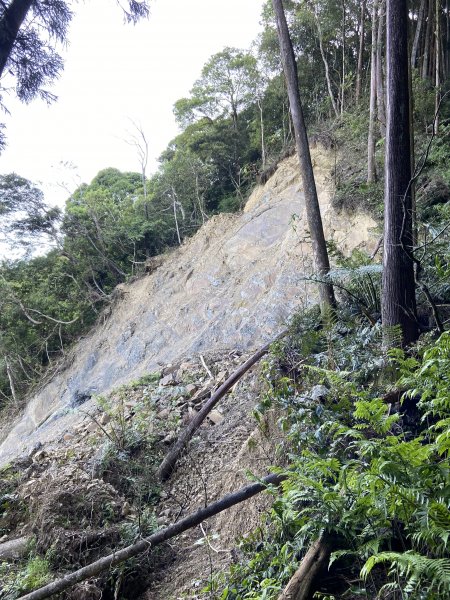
x=418 y=570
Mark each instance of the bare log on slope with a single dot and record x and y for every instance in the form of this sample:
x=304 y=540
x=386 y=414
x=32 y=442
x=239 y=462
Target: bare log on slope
x=146 y=544
x=315 y=560
x=168 y=464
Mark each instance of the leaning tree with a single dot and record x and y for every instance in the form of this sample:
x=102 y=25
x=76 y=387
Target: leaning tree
x=320 y=253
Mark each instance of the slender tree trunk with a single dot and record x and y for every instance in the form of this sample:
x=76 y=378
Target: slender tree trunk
x=371 y=165
x=437 y=76
x=415 y=46
x=343 y=58
x=426 y=72
x=398 y=296
x=320 y=252
x=447 y=40
x=11 y=380
x=361 y=51
x=10 y=24
x=380 y=75
x=325 y=64
x=263 y=145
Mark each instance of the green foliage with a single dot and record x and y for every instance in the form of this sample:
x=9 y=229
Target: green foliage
x=16 y=582
x=370 y=475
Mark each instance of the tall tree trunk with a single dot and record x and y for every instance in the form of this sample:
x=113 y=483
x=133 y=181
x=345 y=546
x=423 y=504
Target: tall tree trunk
x=325 y=64
x=261 y=123
x=426 y=73
x=437 y=75
x=320 y=253
x=447 y=40
x=10 y=23
x=371 y=165
x=343 y=59
x=361 y=51
x=398 y=296
x=415 y=46
x=380 y=75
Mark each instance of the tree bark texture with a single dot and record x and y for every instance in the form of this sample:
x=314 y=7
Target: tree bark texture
x=315 y=225
x=362 y=31
x=427 y=58
x=325 y=64
x=10 y=24
x=417 y=33
x=437 y=73
x=146 y=544
x=371 y=165
x=381 y=110
x=166 y=467
x=343 y=58
x=398 y=296
x=301 y=586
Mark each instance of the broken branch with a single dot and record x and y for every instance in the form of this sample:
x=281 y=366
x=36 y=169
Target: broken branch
x=168 y=464
x=156 y=539
x=315 y=560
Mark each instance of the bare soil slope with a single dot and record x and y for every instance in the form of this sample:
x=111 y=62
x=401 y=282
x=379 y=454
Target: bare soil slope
x=233 y=285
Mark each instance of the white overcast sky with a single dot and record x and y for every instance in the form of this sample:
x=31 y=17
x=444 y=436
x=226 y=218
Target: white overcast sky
x=116 y=72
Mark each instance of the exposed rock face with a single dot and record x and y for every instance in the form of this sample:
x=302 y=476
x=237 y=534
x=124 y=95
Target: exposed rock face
x=234 y=284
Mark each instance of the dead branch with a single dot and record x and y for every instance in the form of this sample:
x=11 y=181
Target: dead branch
x=156 y=539
x=168 y=464
x=301 y=584
x=205 y=366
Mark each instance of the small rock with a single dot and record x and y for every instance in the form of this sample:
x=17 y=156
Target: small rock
x=39 y=456
x=185 y=366
x=191 y=389
x=167 y=380
x=91 y=427
x=215 y=416
x=68 y=437
x=170 y=437
x=221 y=377
x=105 y=419
x=3 y=538
x=163 y=414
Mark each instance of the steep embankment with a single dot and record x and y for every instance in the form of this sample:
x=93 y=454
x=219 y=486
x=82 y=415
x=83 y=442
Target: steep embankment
x=232 y=285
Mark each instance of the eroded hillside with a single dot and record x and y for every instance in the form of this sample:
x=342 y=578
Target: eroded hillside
x=233 y=285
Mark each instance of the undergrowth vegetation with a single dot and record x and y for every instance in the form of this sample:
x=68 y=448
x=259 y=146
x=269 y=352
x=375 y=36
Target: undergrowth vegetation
x=367 y=446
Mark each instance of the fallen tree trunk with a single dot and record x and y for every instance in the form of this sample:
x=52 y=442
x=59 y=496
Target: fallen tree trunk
x=168 y=464
x=150 y=542
x=300 y=587
x=14 y=549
